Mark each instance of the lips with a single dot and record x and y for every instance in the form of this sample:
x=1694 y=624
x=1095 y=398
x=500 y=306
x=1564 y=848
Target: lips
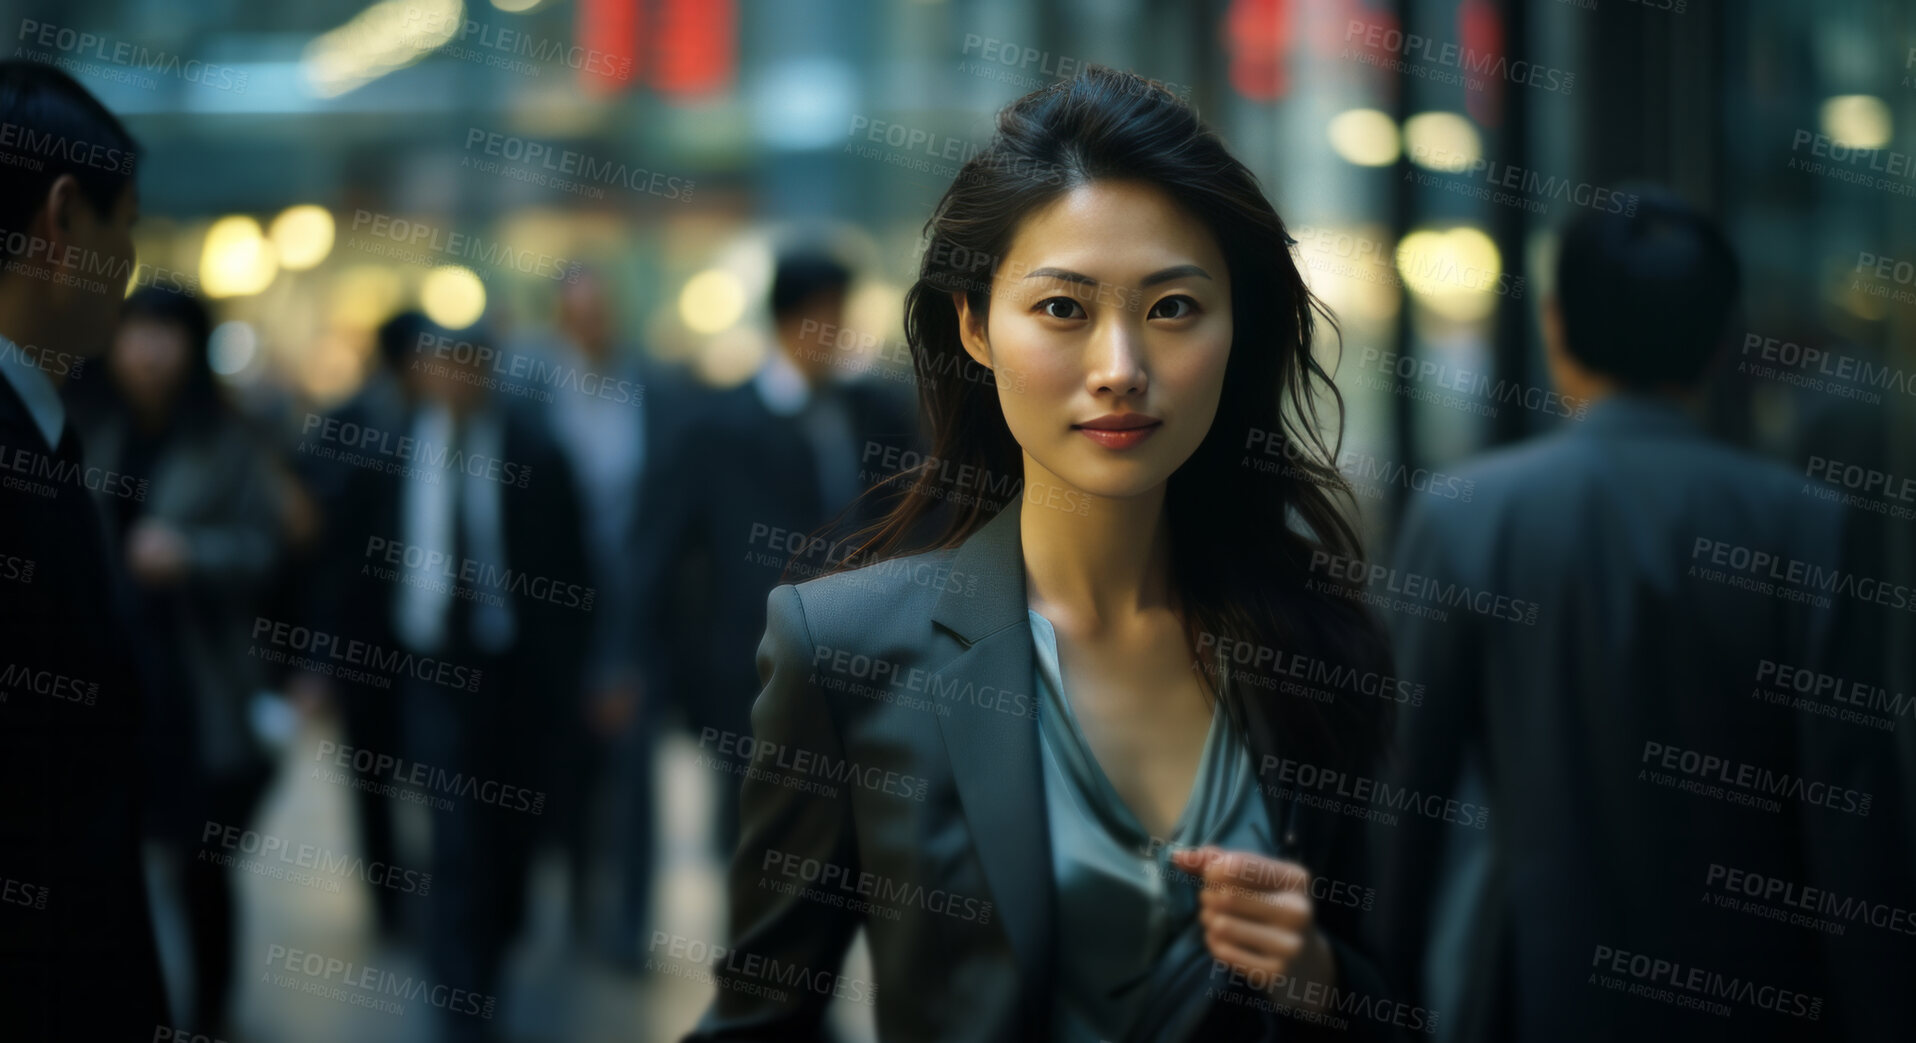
x=1120 y=422
x=1119 y=430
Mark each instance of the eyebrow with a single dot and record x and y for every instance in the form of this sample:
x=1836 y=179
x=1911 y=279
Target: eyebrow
x=1176 y=271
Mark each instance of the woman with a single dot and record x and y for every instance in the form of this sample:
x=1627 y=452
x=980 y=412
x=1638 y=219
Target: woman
x=1022 y=760
x=199 y=541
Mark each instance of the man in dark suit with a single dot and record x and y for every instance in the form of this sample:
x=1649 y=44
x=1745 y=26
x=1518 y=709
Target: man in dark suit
x=77 y=957
x=460 y=538
x=1652 y=815
x=740 y=494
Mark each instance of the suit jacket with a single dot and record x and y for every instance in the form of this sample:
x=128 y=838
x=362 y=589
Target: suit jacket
x=541 y=537
x=77 y=956
x=1625 y=532
x=894 y=759
x=725 y=497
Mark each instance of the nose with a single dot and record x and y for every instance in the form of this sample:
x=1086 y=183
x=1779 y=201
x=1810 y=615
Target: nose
x=1115 y=362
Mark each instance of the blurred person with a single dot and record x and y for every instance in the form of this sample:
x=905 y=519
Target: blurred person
x=759 y=469
x=77 y=953
x=1053 y=824
x=369 y=717
x=199 y=545
x=612 y=410
x=1630 y=535
x=463 y=547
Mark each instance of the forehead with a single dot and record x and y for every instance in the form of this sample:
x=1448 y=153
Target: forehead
x=1113 y=230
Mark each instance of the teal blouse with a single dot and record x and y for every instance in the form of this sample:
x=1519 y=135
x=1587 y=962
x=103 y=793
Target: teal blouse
x=1124 y=911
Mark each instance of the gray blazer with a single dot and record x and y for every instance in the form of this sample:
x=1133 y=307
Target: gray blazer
x=894 y=783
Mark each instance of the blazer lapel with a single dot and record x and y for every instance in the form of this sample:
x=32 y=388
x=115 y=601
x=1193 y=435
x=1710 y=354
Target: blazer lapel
x=994 y=751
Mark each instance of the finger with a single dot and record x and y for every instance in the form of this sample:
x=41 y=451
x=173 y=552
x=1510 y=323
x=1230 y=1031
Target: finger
x=1290 y=909
x=1261 y=940
x=1249 y=964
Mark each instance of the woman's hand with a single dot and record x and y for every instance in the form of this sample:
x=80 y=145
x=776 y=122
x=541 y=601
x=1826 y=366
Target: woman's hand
x=1259 y=920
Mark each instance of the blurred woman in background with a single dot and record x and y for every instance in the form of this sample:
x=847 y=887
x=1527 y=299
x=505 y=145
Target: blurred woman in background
x=199 y=538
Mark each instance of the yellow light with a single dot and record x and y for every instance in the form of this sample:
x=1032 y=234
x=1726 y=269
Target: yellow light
x=236 y=260
x=712 y=301
x=1454 y=273
x=516 y=6
x=388 y=35
x=1442 y=141
x=1856 y=121
x=364 y=295
x=1365 y=137
x=303 y=235
x=453 y=297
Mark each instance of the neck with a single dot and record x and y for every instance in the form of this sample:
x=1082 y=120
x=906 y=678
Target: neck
x=1095 y=568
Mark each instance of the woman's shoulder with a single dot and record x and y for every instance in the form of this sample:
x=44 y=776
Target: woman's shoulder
x=886 y=596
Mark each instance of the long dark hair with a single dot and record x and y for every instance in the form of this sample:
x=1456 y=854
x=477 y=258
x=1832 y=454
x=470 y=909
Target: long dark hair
x=1243 y=538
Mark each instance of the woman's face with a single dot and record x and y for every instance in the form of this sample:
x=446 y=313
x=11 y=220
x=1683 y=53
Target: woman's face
x=1111 y=308
x=148 y=362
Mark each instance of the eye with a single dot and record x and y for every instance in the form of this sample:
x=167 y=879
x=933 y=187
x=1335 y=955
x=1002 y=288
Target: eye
x=1071 y=308
x=1184 y=308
